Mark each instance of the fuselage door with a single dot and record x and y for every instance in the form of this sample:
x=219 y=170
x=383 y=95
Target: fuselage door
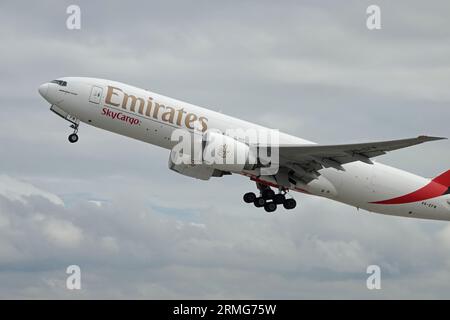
x=96 y=94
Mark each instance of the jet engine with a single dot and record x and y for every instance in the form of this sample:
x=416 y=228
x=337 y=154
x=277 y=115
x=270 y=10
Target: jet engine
x=217 y=154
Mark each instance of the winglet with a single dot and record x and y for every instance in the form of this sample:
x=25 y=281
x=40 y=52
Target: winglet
x=428 y=138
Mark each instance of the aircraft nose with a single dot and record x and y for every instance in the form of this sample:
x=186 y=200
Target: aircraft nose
x=43 y=89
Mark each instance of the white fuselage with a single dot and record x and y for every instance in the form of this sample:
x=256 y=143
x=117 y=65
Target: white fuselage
x=152 y=118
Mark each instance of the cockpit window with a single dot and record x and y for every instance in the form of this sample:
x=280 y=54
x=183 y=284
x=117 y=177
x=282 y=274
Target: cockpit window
x=60 y=82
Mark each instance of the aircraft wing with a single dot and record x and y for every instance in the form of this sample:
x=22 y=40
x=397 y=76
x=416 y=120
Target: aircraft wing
x=306 y=160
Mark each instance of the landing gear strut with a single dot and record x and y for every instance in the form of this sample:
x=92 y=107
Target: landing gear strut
x=74 y=122
x=268 y=199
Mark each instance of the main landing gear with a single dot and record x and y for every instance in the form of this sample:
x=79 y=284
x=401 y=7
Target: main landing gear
x=269 y=200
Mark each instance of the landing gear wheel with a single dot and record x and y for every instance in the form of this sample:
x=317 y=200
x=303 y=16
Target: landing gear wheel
x=73 y=138
x=279 y=198
x=259 y=202
x=270 y=207
x=249 y=197
x=289 y=204
x=268 y=194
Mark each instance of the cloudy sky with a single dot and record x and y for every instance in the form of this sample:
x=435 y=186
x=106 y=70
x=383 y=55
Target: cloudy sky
x=137 y=230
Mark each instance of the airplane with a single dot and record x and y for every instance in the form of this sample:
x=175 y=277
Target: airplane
x=345 y=173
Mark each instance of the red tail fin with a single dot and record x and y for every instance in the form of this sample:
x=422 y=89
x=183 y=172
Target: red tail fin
x=443 y=179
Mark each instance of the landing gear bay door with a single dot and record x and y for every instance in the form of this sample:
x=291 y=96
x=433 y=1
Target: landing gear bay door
x=63 y=114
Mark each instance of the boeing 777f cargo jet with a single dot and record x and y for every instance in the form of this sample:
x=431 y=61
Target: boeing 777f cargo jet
x=344 y=173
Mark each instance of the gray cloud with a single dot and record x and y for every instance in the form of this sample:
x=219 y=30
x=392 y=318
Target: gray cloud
x=311 y=69
x=127 y=249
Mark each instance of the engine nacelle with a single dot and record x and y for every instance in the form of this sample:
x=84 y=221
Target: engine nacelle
x=226 y=153
x=185 y=167
x=211 y=154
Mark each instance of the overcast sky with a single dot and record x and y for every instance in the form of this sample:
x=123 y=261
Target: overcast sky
x=138 y=230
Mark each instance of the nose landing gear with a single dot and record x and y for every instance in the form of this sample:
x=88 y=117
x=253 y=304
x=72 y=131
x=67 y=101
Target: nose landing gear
x=74 y=136
x=269 y=200
x=74 y=122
